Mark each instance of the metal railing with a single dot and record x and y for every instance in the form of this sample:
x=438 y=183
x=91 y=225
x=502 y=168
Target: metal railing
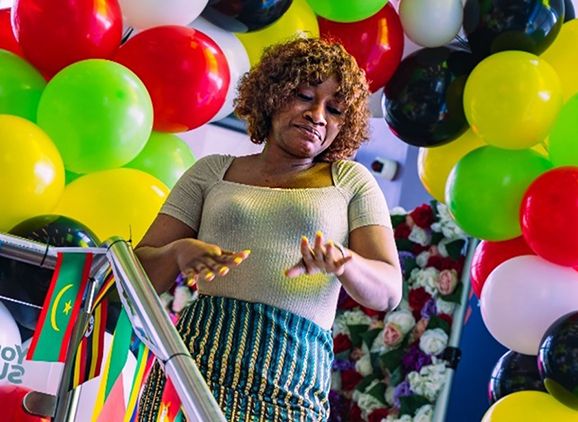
x=150 y=321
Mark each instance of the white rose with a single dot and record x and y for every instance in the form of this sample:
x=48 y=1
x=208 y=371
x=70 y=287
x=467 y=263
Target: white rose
x=404 y=418
x=422 y=258
x=166 y=299
x=429 y=381
x=389 y=394
x=339 y=326
x=445 y=307
x=426 y=278
x=424 y=414
x=366 y=402
x=363 y=365
x=433 y=342
x=182 y=299
x=403 y=318
x=335 y=380
x=420 y=236
x=397 y=211
x=356 y=317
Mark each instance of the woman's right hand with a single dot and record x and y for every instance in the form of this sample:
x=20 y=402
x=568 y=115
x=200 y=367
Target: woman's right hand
x=200 y=260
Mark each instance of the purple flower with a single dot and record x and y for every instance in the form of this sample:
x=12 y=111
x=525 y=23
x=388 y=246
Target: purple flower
x=415 y=359
x=342 y=365
x=405 y=256
x=429 y=309
x=339 y=407
x=401 y=390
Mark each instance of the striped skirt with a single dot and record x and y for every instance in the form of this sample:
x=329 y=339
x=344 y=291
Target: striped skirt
x=261 y=363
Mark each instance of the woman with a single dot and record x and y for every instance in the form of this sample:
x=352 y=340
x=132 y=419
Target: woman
x=261 y=335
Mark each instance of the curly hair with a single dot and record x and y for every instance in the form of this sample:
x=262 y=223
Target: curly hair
x=283 y=68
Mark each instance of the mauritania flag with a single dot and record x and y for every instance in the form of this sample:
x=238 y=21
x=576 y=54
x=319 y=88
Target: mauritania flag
x=60 y=309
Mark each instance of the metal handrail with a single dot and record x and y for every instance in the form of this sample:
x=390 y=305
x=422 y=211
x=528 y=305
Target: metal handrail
x=143 y=306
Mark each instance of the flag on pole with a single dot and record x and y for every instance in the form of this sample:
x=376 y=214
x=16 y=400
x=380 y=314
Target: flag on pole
x=143 y=365
x=61 y=306
x=169 y=410
x=89 y=354
x=113 y=408
x=101 y=294
x=115 y=362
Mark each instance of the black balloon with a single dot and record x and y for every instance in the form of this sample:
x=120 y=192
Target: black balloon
x=497 y=25
x=569 y=13
x=29 y=283
x=558 y=359
x=514 y=372
x=423 y=101
x=244 y=15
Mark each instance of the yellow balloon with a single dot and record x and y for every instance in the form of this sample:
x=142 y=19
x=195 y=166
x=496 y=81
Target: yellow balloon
x=118 y=202
x=529 y=406
x=563 y=56
x=434 y=164
x=541 y=148
x=512 y=98
x=31 y=171
x=298 y=20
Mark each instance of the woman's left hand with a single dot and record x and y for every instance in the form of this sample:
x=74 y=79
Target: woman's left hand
x=322 y=257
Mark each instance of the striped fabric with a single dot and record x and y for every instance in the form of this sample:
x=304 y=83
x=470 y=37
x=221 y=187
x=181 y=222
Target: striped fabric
x=261 y=363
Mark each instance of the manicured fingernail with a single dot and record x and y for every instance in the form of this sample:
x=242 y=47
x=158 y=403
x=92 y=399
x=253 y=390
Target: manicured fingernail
x=223 y=271
x=246 y=252
x=319 y=233
x=304 y=238
x=237 y=260
x=209 y=275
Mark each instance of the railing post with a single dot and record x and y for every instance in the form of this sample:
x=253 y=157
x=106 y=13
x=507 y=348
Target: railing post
x=153 y=325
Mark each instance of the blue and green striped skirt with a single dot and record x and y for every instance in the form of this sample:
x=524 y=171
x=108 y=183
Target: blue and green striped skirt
x=261 y=363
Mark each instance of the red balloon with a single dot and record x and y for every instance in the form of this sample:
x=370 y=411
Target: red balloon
x=7 y=38
x=549 y=216
x=375 y=42
x=11 y=397
x=56 y=33
x=488 y=255
x=185 y=72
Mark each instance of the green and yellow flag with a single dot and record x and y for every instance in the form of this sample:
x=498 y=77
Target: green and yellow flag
x=60 y=309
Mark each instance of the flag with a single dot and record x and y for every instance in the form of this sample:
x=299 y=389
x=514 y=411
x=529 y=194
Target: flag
x=169 y=409
x=108 y=283
x=61 y=306
x=143 y=365
x=88 y=357
x=113 y=408
x=115 y=362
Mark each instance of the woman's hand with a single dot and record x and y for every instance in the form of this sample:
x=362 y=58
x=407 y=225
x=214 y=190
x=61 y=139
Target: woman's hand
x=323 y=257
x=200 y=260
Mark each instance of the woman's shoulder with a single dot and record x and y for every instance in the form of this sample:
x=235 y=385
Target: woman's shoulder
x=347 y=172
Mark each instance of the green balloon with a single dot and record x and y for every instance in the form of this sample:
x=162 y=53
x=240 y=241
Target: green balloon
x=70 y=177
x=165 y=156
x=346 y=10
x=98 y=113
x=563 y=139
x=20 y=86
x=485 y=189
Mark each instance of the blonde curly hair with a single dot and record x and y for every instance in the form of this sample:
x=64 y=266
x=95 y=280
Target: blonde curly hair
x=283 y=68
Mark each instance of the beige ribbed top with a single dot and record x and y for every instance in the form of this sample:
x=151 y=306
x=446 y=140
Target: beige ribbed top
x=270 y=222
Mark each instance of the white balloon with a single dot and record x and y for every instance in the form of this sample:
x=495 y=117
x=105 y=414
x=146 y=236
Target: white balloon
x=144 y=14
x=9 y=332
x=10 y=348
x=236 y=55
x=431 y=23
x=523 y=296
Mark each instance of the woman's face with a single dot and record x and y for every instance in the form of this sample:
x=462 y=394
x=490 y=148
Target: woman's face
x=310 y=121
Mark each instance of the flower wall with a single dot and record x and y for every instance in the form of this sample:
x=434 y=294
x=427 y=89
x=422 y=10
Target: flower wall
x=391 y=366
